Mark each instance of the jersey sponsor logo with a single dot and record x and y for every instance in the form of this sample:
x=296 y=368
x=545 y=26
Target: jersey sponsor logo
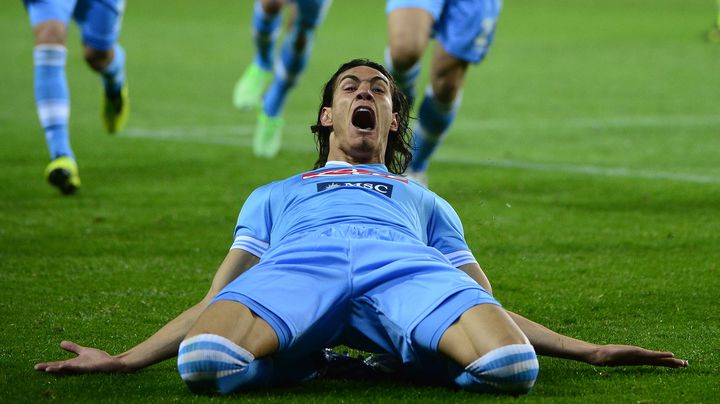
x=380 y=187
x=352 y=171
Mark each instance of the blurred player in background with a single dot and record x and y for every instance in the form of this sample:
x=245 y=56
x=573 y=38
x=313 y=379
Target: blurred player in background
x=281 y=74
x=99 y=22
x=714 y=33
x=464 y=31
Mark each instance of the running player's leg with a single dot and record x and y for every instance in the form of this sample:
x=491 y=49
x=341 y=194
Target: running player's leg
x=266 y=26
x=437 y=110
x=464 y=34
x=49 y=22
x=100 y=23
x=409 y=30
x=294 y=55
x=714 y=33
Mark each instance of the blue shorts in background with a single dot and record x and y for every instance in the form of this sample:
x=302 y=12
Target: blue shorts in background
x=99 y=20
x=465 y=28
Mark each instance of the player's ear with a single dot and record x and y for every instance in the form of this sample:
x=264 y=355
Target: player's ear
x=394 y=125
x=326 y=116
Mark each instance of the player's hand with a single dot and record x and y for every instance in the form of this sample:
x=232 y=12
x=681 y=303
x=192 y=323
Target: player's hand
x=627 y=355
x=88 y=360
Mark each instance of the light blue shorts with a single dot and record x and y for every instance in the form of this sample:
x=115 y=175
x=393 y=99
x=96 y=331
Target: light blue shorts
x=364 y=287
x=465 y=28
x=99 y=20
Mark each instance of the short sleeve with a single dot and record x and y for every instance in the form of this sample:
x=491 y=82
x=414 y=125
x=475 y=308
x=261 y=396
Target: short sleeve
x=445 y=233
x=252 y=232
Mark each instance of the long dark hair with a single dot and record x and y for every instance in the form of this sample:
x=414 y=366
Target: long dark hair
x=397 y=154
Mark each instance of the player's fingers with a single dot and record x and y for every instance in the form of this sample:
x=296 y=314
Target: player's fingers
x=71 y=346
x=674 y=363
x=64 y=368
x=43 y=366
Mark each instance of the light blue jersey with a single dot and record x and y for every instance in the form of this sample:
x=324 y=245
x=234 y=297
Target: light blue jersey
x=344 y=194
x=354 y=255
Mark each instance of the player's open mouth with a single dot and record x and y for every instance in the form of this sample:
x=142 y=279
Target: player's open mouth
x=363 y=118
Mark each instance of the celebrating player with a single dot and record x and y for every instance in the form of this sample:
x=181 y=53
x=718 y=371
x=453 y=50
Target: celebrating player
x=99 y=23
x=352 y=253
x=294 y=54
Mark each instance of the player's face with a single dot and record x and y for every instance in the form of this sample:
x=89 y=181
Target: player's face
x=361 y=116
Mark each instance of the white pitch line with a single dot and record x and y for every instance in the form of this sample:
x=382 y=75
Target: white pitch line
x=593 y=123
x=241 y=136
x=586 y=169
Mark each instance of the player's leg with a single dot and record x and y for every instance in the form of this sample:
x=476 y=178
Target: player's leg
x=266 y=26
x=437 y=110
x=714 y=33
x=267 y=327
x=464 y=35
x=495 y=354
x=293 y=59
x=219 y=352
x=52 y=96
x=100 y=23
x=409 y=32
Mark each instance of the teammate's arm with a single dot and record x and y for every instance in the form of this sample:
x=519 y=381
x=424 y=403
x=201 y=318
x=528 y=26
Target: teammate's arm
x=160 y=346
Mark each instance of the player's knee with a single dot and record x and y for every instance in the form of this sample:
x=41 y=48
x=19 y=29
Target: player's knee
x=446 y=89
x=50 y=33
x=209 y=363
x=511 y=369
x=97 y=59
x=272 y=6
x=406 y=56
x=301 y=36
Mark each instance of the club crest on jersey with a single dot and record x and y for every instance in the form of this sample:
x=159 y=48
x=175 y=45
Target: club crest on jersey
x=379 y=187
x=352 y=171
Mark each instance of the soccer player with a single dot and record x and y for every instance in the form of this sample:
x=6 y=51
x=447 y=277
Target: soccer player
x=464 y=31
x=99 y=23
x=281 y=74
x=351 y=253
x=714 y=33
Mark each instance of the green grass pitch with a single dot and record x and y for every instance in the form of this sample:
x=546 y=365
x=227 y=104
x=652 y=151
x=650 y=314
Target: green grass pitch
x=584 y=163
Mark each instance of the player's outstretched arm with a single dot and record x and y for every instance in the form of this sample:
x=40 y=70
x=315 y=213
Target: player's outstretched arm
x=160 y=346
x=549 y=343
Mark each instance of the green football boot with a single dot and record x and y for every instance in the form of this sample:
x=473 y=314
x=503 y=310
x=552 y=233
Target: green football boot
x=116 y=110
x=250 y=87
x=268 y=135
x=63 y=173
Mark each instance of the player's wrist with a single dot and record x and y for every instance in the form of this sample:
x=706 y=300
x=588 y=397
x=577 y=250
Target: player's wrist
x=594 y=355
x=123 y=365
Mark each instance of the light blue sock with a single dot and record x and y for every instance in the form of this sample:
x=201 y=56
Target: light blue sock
x=434 y=119
x=511 y=369
x=52 y=98
x=114 y=74
x=288 y=69
x=405 y=79
x=265 y=31
x=209 y=363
